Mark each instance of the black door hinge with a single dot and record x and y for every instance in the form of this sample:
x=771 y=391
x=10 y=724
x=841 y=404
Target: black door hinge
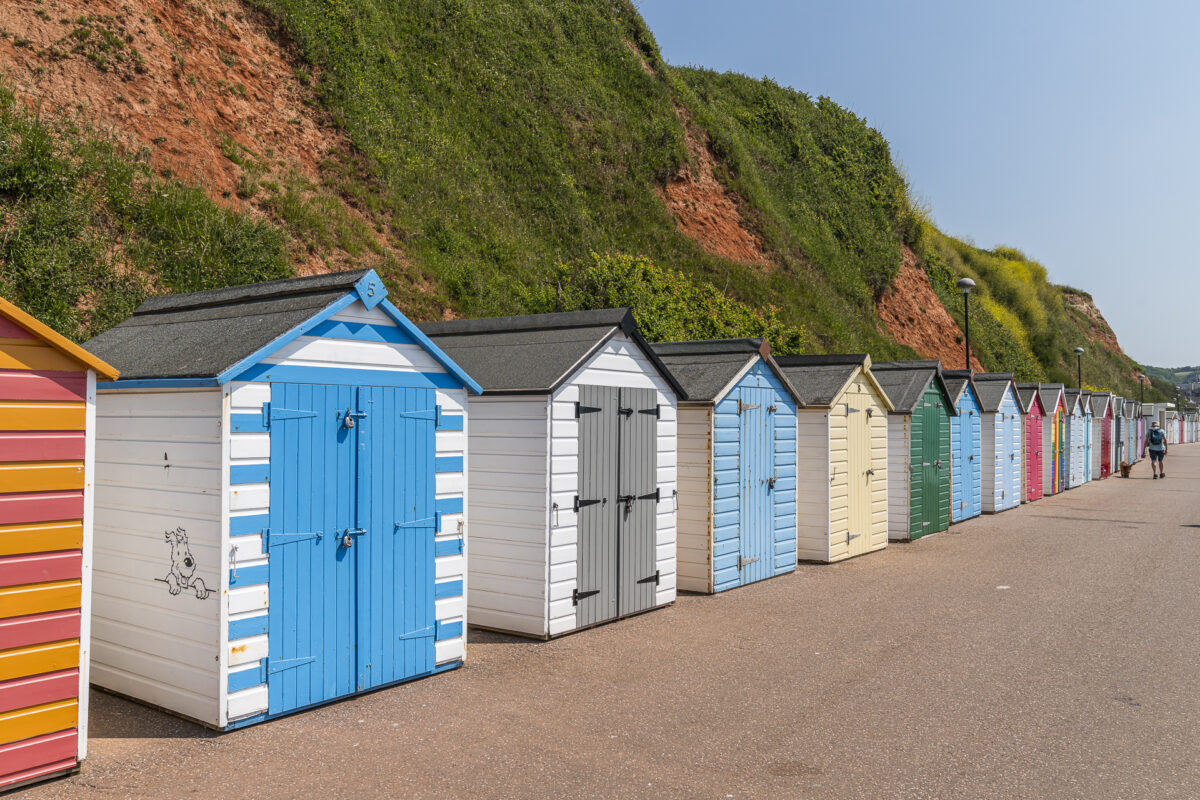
x=581 y=409
x=581 y=503
x=652 y=579
x=656 y=411
x=577 y=595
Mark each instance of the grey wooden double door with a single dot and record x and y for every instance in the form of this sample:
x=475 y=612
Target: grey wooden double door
x=617 y=504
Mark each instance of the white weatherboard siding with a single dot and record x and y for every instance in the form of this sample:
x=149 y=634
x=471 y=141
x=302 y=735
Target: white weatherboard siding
x=450 y=485
x=620 y=362
x=509 y=512
x=812 y=484
x=695 y=498
x=85 y=584
x=990 y=459
x=158 y=468
x=899 y=433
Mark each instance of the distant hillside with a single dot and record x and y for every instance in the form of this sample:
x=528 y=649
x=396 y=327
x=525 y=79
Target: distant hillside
x=487 y=158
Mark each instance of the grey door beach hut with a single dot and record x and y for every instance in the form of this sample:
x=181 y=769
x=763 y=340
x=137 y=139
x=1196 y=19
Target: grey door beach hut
x=279 y=500
x=737 y=463
x=572 y=486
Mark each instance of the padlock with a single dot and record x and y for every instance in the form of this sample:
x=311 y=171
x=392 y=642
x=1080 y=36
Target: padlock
x=348 y=540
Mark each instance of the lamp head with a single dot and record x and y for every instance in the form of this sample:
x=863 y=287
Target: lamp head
x=1078 y=351
x=965 y=285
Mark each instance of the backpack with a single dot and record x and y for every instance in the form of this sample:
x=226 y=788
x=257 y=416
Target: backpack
x=1156 y=436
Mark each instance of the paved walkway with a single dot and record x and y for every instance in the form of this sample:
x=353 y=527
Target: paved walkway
x=1051 y=651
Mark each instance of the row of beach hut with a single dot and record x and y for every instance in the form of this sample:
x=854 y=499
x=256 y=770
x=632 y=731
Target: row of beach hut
x=292 y=494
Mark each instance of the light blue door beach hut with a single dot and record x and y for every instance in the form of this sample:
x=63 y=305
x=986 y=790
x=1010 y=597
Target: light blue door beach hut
x=1077 y=436
x=1001 y=441
x=736 y=463
x=280 y=500
x=966 y=473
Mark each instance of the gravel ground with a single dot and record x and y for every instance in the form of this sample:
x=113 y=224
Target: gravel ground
x=1049 y=652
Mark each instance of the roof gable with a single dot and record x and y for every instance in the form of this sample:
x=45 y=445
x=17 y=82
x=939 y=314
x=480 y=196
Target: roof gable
x=993 y=388
x=209 y=338
x=24 y=321
x=708 y=370
x=959 y=381
x=1027 y=394
x=536 y=353
x=821 y=379
x=906 y=382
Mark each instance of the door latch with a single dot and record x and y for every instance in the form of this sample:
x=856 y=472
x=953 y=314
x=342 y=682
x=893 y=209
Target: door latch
x=744 y=561
x=771 y=482
x=627 y=499
x=349 y=416
x=349 y=535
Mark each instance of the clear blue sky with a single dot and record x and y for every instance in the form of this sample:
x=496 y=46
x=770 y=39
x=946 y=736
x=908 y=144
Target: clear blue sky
x=1070 y=130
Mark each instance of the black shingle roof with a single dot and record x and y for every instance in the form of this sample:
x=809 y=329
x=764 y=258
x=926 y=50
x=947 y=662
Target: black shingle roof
x=991 y=387
x=956 y=381
x=1049 y=392
x=819 y=378
x=905 y=382
x=704 y=368
x=202 y=334
x=533 y=354
x=1025 y=393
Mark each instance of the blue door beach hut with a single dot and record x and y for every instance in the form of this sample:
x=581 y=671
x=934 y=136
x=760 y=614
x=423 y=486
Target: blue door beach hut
x=966 y=455
x=572 y=486
x=736 y=464
x=279 y=504
x=1001 y=443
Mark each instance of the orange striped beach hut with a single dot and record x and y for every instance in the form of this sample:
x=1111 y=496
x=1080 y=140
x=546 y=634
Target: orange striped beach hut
x=47 y=407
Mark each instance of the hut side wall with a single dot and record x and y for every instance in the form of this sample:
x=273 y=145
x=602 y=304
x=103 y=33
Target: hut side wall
x=619 y=363
x=695 y=517
x=900 y=487
x=509 y=491
x=812 y=484
x=158 y=467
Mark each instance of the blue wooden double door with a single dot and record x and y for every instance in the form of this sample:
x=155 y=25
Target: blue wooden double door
x=350 y=542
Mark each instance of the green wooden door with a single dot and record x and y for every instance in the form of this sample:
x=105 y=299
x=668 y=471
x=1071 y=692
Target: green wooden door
x=930 y=460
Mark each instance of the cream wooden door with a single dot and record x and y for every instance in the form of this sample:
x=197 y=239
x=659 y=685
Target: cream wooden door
x=858 y=475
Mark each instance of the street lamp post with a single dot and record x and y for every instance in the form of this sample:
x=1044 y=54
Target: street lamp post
x=1079 y=368
x=965 y=285
x=1142 y=384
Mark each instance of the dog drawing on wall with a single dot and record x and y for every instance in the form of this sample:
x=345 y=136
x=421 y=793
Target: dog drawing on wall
x=183 y=567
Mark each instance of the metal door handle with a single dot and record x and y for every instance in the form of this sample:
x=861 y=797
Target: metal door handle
x=348 y=536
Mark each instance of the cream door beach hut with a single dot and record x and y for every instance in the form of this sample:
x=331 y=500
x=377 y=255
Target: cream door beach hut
x=841 y=457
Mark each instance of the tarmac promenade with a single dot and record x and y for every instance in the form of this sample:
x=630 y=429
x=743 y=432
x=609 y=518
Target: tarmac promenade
x=1052 y=651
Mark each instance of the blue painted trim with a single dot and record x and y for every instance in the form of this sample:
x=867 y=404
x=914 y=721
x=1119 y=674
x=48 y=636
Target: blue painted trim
x=247 y=423
x=404 y=322
x=248 y=678
x=361 y=331
x=249 y=473
x=448 y=630
x=257 y=718
x=304 y=327
x=450 y=422
x=449 y=505
x=248 y=524
x=348 y=377
x=249 y=576
x=447 y=589
x=157 y=383
x=447 y=547
x=448 y=464
x=247 y=626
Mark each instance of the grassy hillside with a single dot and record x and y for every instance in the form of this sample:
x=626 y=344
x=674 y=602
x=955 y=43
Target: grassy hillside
x=512 y=156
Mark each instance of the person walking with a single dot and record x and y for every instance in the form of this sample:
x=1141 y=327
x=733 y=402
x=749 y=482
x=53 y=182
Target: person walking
x=1156 y=444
